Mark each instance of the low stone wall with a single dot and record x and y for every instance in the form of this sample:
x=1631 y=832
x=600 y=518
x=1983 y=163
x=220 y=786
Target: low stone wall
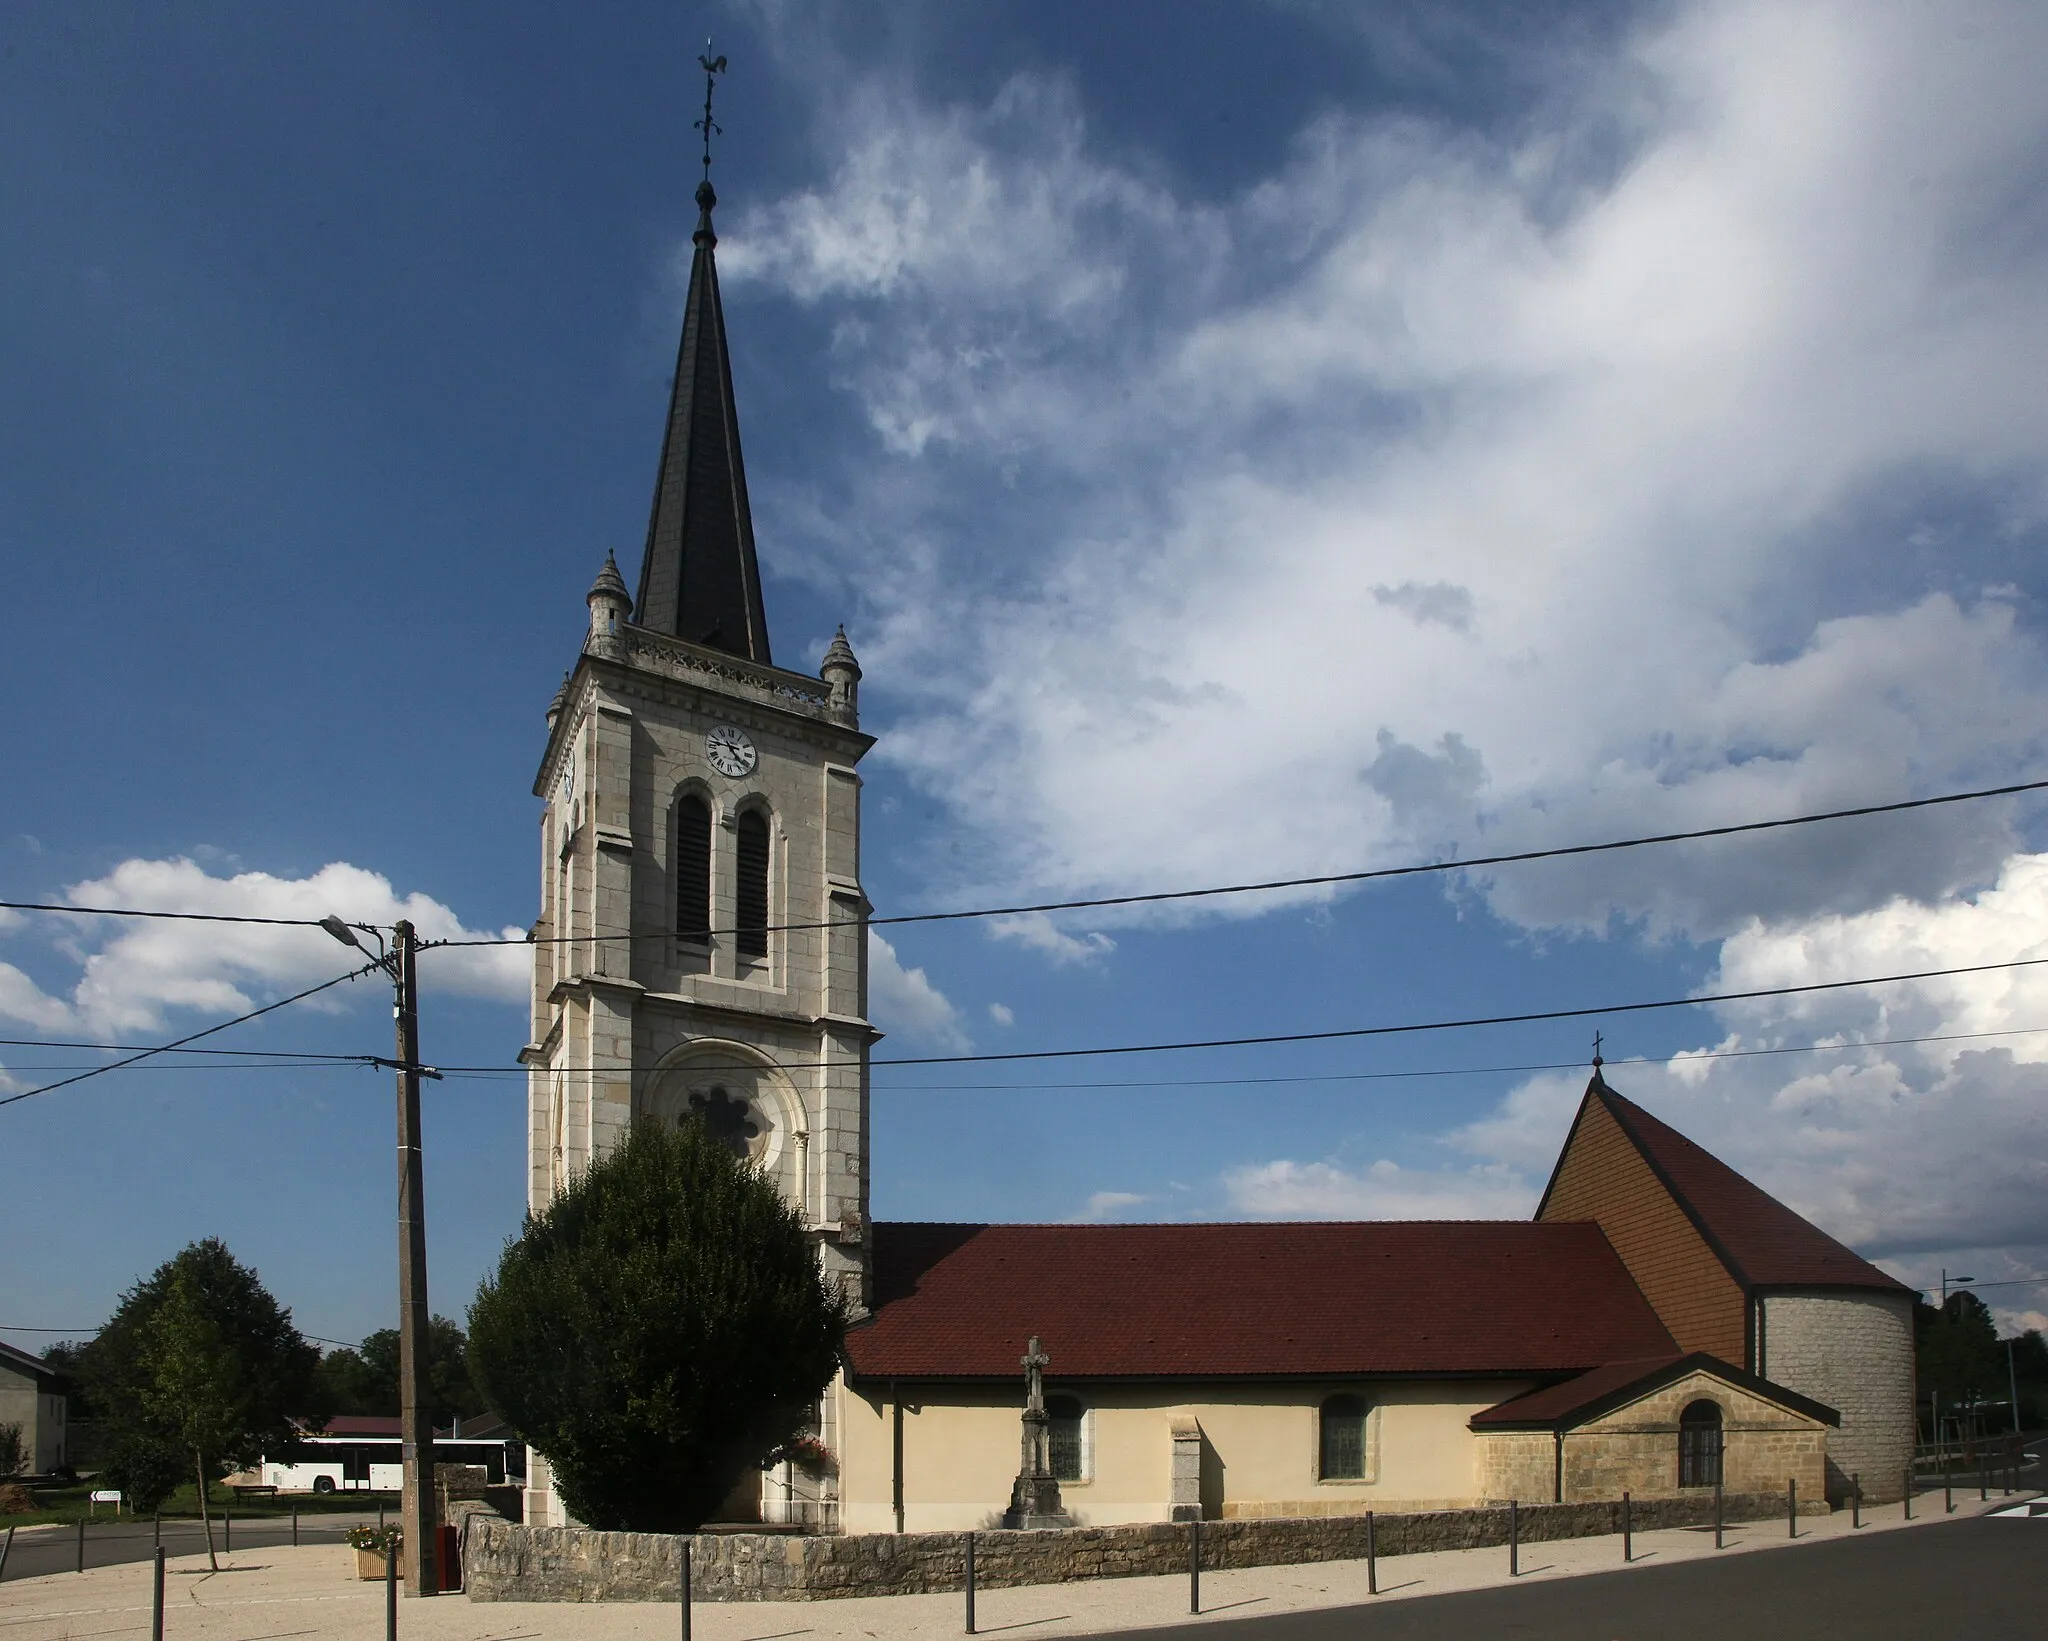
x=505 y=1562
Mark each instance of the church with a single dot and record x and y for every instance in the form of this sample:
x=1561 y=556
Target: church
x=1661 y=1324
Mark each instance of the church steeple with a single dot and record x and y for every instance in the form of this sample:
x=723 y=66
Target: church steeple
x=699 y=579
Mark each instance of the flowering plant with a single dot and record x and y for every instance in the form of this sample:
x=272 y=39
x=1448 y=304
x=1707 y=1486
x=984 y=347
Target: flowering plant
x=807 y=1453
x=383 y=1540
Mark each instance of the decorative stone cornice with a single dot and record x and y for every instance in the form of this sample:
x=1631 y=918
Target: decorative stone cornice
x=730 y=674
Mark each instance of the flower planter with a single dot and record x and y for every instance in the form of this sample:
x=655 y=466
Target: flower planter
x=370 y=1563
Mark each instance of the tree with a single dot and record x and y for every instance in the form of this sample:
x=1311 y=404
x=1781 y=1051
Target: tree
x=658 y=1330
x=366 y=1381
x=200 y=1369
x=1959 y=1356
x=13 y=1451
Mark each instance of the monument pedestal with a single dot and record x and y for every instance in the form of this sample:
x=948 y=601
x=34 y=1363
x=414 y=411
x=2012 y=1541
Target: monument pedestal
x=1035 y=1502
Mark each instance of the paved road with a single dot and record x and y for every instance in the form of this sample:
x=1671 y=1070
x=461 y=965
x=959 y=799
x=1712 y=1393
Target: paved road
x=1987 y=1576
x=113 y=1540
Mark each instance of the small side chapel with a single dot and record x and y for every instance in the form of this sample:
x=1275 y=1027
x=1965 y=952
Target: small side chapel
x=701 y=952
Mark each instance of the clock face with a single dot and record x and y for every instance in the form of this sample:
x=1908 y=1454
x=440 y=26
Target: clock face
x=729 y=750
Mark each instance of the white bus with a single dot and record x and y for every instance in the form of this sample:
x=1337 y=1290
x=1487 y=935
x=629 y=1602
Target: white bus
x=356 y=1463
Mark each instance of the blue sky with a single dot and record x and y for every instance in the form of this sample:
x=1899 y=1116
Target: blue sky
x=1240 y=440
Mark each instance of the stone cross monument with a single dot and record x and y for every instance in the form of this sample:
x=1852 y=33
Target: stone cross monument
x=1035 y=1497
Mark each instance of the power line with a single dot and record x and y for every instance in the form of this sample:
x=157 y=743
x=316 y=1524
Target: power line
x=478 y=1072
x=176 y=917
x=1366 y=876
x=1531 y=1017
x=228 y=1053
x=165 y=1048
x=87 y=1333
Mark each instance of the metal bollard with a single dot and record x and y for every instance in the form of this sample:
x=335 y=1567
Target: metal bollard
x=5 y=1546
x=158 y=1518
x=1514 y=1539
x=81 y=1544
x=295 y=1525
x=970 y=1583
x=1948 y=1485
x=1717 y=1515
x=683 y=1546
x=1628 y=1539
x=1791 y=1506
x=227 y=1527
x=1372 y=1560
x=390 y=1590
x=1983 y=1475
x=1856 y=1500
x=1195 y=1565
x=156 y=1605
x=1907 y=1496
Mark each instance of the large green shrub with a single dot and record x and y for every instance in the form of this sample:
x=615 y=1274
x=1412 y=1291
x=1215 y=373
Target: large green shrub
x=658 y=1331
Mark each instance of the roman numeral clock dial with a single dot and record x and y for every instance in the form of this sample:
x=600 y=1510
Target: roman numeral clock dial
x=729 y=751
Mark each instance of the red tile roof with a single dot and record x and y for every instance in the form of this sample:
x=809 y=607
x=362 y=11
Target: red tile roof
x=1616 y=1384
x=1315 y=1300
x=1766 y=1244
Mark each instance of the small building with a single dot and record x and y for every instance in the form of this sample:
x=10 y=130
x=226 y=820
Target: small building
x=32 y=1395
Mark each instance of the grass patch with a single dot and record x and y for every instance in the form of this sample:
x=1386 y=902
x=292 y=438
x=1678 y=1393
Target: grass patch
x=69 y=1504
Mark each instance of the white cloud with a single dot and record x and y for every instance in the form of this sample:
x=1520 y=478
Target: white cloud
x=131 y=974
x=904 y=1000
x=1104 y=1205
x=1039 y=933
x=1002 y=1014
x=1383 y=1190
x=1600 y=497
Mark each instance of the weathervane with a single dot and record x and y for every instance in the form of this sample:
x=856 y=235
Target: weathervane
x=713 y=67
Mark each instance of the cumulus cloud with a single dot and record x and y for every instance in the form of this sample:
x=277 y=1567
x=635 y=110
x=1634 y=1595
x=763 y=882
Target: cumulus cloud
x=1041 y=934
x=131 y=975
x=1383 y=1190
x=1620 y=472
x=1104 y=1205
x=1002 y=1014
x=905 y=1001
x=1920 y=1154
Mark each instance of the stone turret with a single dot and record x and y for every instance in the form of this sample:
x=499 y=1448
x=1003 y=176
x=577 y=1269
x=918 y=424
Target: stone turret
x=610 y=608
x=842 y=675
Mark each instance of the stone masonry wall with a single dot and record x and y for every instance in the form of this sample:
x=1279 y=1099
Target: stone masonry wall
x=505 y=1562
x=1853 y=1351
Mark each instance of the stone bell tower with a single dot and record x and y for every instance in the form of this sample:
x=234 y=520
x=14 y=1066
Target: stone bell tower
x=701 y=949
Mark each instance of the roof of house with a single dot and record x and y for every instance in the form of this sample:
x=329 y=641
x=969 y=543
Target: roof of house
x=1616 y=1384
x=1763 y=1243
x=20 y=1361
x=1318 y=1300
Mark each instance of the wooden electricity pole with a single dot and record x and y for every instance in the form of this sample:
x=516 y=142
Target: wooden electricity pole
x=418 y=1514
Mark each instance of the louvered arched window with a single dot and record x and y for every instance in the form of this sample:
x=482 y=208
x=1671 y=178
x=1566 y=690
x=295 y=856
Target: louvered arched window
x=693 y=868
x=750 y=917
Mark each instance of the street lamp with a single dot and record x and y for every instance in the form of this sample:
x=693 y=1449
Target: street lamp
x=416 y=1511
x=1946 y=1280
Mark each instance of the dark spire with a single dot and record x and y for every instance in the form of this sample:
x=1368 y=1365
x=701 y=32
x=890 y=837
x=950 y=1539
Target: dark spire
x=699 y=578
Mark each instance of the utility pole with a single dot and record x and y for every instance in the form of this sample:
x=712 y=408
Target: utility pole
x=418 y=1515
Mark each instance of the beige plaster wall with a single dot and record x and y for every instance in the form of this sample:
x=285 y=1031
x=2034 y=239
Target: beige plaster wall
x=961 y=1448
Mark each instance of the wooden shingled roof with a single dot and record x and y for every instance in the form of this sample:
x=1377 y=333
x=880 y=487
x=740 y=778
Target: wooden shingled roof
x=1763 y=1243
x=1252 y=1301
